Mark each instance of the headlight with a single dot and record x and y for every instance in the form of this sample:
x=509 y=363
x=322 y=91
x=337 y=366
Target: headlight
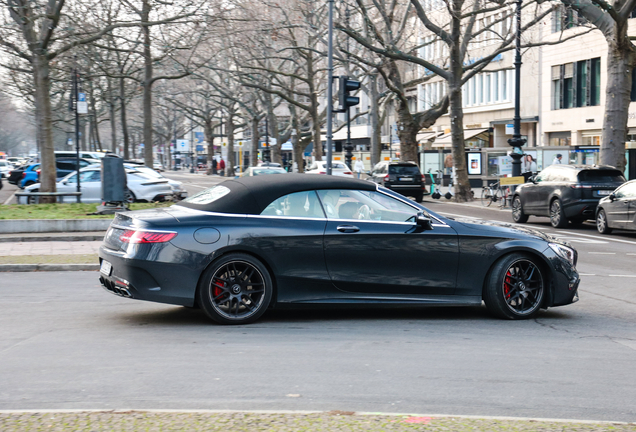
x=564 y=252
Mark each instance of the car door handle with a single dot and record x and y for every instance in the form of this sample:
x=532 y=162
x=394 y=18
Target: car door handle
x=348 y=229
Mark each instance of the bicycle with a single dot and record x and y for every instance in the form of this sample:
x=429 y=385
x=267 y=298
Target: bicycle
x=495 y=193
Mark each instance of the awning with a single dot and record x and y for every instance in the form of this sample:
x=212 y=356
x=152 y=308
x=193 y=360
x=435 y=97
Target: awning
x=425 y=136
x=446 y=140
x=287 y=146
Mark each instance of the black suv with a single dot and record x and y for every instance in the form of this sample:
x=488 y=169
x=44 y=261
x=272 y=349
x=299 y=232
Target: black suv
x=402 y=177
x=565 y=193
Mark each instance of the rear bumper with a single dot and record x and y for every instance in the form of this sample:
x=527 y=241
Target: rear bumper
x=581 y=208
x=171 y=276
x=409 y=190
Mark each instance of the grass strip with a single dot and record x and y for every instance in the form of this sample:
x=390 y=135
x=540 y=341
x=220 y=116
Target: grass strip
x=50 y=259
x=275 y=422
x=63 y=211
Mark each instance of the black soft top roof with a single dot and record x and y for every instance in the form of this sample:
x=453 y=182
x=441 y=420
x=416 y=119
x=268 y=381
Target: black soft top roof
x=250 y=195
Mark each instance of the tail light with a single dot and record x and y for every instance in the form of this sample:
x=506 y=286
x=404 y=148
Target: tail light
x=348 y=173
x=322 y=172
x=135 y=237
x=386 y=178
x=23 y=175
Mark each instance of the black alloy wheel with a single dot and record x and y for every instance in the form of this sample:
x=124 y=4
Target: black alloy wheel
x=129 y=196
x=236 y=289
x=557 y=216
x=518 y=216
x=515 y=287
x=601 y=222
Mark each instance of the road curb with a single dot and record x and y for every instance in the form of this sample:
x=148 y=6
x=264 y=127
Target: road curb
x=14 y=226
x=47 y=267
x=49 y=238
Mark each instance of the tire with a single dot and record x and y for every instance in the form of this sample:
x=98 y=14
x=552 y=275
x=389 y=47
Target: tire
x=419 y=198
x=230 y=285
x=515 y=287
x=518 y=216
x=486 y=197
x=577 y=221
x=557 y=216
x=129 y=196
x=601 y=222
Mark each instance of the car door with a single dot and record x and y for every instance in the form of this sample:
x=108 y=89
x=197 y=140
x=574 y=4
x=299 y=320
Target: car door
x=539 y=192
x=373 y=246
x=290 y=233
x=628 y=193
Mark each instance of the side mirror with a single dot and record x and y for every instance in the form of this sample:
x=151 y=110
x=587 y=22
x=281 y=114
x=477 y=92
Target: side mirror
x=612 y=196
x=532 y=179
x=64 y=182
x=424 y=221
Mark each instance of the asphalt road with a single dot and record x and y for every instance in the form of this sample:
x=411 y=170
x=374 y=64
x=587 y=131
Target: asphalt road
x=66 y=343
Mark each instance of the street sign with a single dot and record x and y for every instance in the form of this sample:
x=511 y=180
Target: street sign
x=510 y=129
x=82 y=105
x=183 y=144
x=507 y=181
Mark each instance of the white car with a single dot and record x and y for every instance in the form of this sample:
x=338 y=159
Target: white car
x=141 y=187
x=178 y=191
x=337 y=169
x=5 y=167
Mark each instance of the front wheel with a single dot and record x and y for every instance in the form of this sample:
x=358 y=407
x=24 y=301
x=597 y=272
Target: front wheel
x=129 y=196
x=601 y=222
x=518 y=216
x=236 y=289
x=515 y=287
x=557 y=216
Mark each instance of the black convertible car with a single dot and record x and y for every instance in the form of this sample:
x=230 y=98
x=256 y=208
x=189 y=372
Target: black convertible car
x=250 y=244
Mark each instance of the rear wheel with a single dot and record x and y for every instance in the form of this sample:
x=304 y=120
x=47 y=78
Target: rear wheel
x=236 y=289
x=515 y=287
x=486 y=197
x=129 y=196
x=419 y=198
x=601 y=222
x=518 y=216
x=557 y=216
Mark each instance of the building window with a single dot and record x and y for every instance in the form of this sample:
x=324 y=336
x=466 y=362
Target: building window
x=564 y=18
x=576 y=84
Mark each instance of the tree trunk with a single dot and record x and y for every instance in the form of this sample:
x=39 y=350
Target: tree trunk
x=147 y=96
x=374 y=121
x=254 y=147
x=407 y=133
x=124 y=124
x=208 y=130
x=620 y=63
x=113 y=124
x=462 y=185
x=275 y=151
x=230 y=162
x=315 y=116
x=44 y=127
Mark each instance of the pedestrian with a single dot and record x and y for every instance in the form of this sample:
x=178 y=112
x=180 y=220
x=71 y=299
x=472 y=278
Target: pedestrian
x=214 y=165
x=358 y=167
x=448 y=163
x=529 y=167
x=557 y=159
x=222 y=167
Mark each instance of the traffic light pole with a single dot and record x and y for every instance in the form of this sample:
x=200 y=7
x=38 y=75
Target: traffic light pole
x=77 y=129
x=348 y=145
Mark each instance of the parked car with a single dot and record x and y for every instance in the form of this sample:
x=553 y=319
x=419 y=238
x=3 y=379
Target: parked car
x=618 y=209
x=178 y=191
x=262 y=170
x=157 y=166
x=249 y=244
x=565 y=193
x=5 y=167
x=141 y=187
x=82 y=154
x=404 y=178
x=337 y=169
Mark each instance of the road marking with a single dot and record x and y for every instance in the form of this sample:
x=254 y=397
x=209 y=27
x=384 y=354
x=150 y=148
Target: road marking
x=627 y=276
x=9 y=199
x=598 y=237
x=587 y=274
x=602 y=253
x=458 y=215
x=199 y=186
x=631 y=254
x=577 y=239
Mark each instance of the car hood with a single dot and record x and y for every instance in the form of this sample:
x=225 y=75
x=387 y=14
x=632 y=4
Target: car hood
x=504 y=229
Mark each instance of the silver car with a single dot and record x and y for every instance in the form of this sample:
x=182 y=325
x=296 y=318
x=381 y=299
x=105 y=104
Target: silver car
x=141 y=187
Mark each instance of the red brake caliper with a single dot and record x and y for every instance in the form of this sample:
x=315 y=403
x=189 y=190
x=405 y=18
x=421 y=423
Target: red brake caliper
x=507 y=284
x=218 y=285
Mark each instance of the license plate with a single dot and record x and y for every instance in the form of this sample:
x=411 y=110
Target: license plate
x=105 y=268
x=405 y=179
x=604 y=192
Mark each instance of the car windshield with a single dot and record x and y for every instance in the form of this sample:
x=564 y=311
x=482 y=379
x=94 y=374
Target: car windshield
x=601 y=176
x=268 y=171
x=404 y=169
x=209 y=195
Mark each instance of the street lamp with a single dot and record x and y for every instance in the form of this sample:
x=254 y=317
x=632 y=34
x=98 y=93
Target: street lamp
x=516 y=141
x=266 y=149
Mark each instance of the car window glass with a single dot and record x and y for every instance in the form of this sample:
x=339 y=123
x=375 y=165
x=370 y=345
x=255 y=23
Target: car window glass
x=337 y=166
x=209 y=195
x=626 y=191
x=404 y=170
x=263 y=171
x=601 y=176
x=72 y=179
x=545 y=175
x=91 y=176
x=364 y=205
x=298 y=204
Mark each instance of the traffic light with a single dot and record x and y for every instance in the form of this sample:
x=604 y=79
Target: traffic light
x=345 y=85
